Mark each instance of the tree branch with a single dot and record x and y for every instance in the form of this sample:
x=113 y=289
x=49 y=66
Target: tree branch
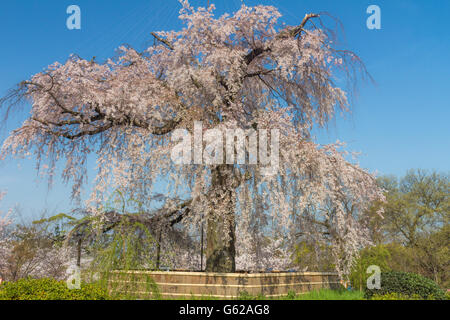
x=167 y=43
x=292 y=32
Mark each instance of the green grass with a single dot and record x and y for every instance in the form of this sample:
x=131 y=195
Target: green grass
x=324 y=294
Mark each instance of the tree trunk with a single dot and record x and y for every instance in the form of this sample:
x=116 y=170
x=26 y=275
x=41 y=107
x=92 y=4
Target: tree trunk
x=158 y=248
x=79 y=253
x=220 y=236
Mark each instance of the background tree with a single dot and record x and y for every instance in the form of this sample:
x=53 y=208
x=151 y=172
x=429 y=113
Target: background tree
x=31 y=250
x=415 y=228
x=417 y=204
x=246 y=70
x=433 y=255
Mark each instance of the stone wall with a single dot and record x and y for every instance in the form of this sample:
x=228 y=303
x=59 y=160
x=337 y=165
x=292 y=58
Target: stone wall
x=175 y=284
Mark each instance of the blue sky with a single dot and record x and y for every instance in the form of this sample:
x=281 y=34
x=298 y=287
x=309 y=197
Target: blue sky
x=397 y=124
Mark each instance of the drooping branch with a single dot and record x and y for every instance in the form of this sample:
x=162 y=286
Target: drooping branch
x=112 y=219
x=100 y=121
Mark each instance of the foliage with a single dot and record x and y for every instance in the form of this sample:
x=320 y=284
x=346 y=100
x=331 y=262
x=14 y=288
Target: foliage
x=416 y=204
x=50 y=289
x=291 y=295
x=313 y=257
x=398 y=296
x=408 y=284
x=131 y=248
x=57 y=225
x=244 y=295
x=432 y=255
x=322 y=294
x=416 y=223
x=134 y=241
x=378 y=255
x=128 y=286
x=327 y=294
x=401 y=258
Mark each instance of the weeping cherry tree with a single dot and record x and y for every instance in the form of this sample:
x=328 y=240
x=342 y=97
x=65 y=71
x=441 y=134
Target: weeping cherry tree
x=246 y=72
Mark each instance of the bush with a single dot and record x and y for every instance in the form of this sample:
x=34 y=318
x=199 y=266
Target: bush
x=50 y=289
x=244 y=295
x=406 y=284
x=378 y=255
x=396 y=296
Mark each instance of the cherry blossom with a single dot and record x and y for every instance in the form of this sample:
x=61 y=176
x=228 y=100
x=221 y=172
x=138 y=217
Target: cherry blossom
x=244 y=70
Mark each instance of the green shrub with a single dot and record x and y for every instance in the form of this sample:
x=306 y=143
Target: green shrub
x=50 y=289
x=328 y=294
x=406 y=284
x=396 y=296
x=244 y=295
x=378 y=255
x=291 y=295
